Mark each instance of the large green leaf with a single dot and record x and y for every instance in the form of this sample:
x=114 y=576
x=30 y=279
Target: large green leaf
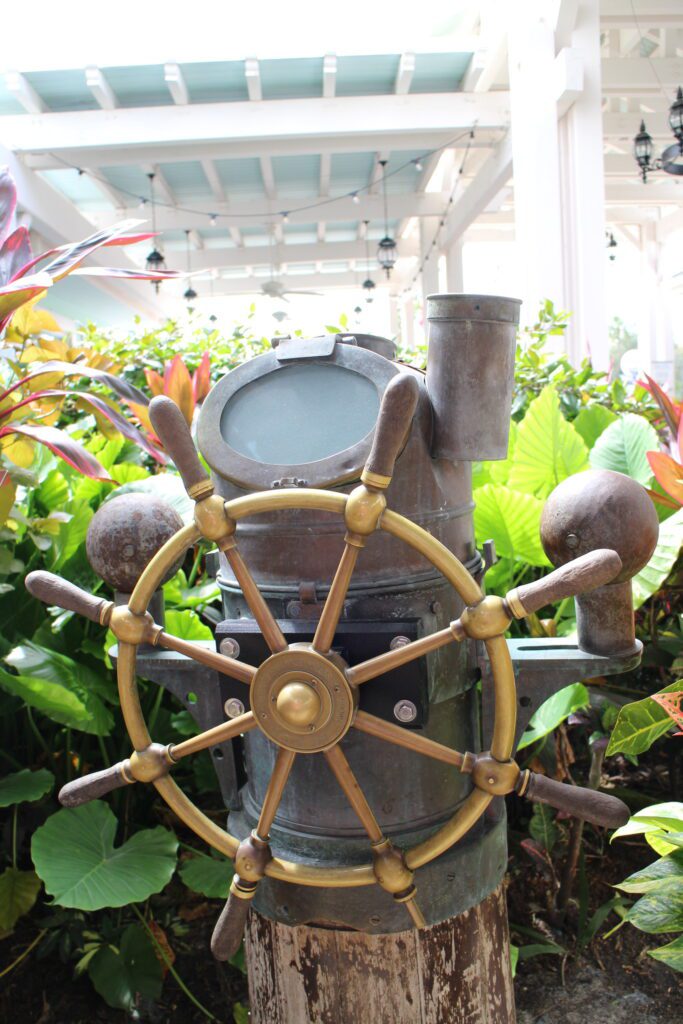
x=661 y=876
x=542 y=826
x=553 y=712
x=120 y=975
x=671 y=954
x=547 y=450
x=18 y=892
x=167 y=486
x=500 y=471
x=25 y=786
x=209 y=876
x=52 y=699
x=623 y=447
x=187 y=625
x=74 y=854
x=592 y=421
x=639 y=724
x=650 y=579
x=512 y=520
x=72 y=534
x=90 y=687
x=656 y=913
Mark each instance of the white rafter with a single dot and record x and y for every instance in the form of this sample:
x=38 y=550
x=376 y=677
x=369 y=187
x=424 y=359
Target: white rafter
x=404 y=75
x=175 y=82
x=24 y=93
x=252 y=73
x=215 y=183
x=329 y=75
x=161 y=186
x=101 y=89
x=268 y=176
x=280 y=253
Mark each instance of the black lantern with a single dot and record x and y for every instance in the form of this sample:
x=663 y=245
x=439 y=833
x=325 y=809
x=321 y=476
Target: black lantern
x=386 y=251
x=676 y=117
x=155 y=261
x=671 y=159
x=369 y=288
x=189 y=294
x=642 y=150
x=611 y=244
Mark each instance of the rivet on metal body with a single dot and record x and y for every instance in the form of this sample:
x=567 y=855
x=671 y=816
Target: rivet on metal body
x=229 y=647
x=233 y=707
x=405 y=711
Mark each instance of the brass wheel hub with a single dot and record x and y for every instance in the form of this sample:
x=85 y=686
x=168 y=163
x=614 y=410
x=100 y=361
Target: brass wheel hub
x=302 y=700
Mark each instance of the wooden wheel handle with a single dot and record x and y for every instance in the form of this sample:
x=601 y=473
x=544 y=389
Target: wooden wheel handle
x=227 y=935
x=174 y=433
x=92 y=787
x=588 y=804
x=576 y=577
x=54 y=590
x=396 y=412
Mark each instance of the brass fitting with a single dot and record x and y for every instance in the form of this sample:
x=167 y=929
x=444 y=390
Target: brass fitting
x=364 y=510
x=496 y=777
x=390 y=868
x=486 y=619
x=212 y=519
x=130 y=628
x=251 y=858
x=151 y=763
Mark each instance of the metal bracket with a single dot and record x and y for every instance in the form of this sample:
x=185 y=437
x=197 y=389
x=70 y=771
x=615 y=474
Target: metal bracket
x=543 y=667
x=290 y=349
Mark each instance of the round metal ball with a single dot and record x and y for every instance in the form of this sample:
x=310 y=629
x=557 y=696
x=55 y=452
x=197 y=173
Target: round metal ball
x=124 y=535
x=600 y=509
x=298 y=705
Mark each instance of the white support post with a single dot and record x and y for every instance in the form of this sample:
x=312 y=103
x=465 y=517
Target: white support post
x=538 y=209
x=408 y=320
x=454 y=267
x=583 y=201
x=655 y=335
x=394 y=323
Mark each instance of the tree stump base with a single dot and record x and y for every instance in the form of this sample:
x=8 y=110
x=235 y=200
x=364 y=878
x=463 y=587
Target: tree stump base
x=455 y=972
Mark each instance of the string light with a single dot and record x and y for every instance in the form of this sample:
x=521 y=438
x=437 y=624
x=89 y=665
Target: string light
x=418 y=165
x=355 y=197
x=213 y=220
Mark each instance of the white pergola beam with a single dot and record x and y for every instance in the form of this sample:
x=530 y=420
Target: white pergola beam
x=252 y=73
x=215 y=183
x=404 y=75
x=268 y=177
x=24 y=93
x=175 y=83
x=329 y=76
x=264 y=255
x=196 y=240
x=365 y=118
x=650 y=13
x=101 y=89
x=568 y=75
x=111 y=194
x=160 y=186
x=250 y=285
x=493 y=176
x=635 y=75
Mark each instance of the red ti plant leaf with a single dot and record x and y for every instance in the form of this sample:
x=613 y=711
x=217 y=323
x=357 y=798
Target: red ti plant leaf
x=670 y=410
x=18 y=293
x=117 y=384
x=63 y=446
x=201 y=379
x=178 y=386
x=669 y=474
x=8 y=202
x=128 y=275
x=155 y=382
x=14 y=254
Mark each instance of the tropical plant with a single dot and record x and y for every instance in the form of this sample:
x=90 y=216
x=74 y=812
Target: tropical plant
x=659 y=885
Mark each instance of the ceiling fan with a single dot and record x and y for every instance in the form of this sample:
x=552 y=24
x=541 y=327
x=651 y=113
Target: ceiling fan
x=275 y=289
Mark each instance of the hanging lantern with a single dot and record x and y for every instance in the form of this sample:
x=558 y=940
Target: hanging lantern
x=676 y=117
x=155 y=261
x=369 y=288
x=189 y=294
x=386 y=251
x=642 y=150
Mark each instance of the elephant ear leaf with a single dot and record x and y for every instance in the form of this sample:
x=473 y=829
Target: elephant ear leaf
x=75 y=855
x=25 y=786
x=120 y=975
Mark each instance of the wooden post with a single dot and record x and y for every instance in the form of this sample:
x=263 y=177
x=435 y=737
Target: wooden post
x=456 y=972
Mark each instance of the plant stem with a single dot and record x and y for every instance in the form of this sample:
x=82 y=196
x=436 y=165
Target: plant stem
x=15 y=815
x=67 y=751
x=15 y=963
x=151 y=721
x=37 y=733
x=195 y=567
x=179 y=981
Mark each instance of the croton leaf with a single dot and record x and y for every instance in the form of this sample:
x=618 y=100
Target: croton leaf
x=18 y=892
x=62 y=445
x=639 y=724
x=121 y=974
x=25 y=786
x=668 y=473
x=75 y=855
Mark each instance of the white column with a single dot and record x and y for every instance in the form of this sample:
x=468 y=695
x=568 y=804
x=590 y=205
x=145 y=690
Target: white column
x=394 y=324
x=454 y=267
x=408 y=320
x=583 y=200
x=655 y=334
x=429 y=278
x=536 y=170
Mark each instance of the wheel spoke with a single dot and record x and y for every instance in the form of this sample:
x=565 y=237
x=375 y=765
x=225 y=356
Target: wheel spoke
x=276 y=785
x=354 y=794
x=407 y=738
x=332 y=609
x=219 y=734
x=265 y=619
x=415 y=912
x=377 y=666
x=228 y=666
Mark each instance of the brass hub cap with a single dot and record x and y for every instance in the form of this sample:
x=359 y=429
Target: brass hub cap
x=302 y=700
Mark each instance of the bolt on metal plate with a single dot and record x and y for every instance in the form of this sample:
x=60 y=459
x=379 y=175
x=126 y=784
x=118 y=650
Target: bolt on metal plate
x=405 y=711
x=233 y=707
x=229 y=647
